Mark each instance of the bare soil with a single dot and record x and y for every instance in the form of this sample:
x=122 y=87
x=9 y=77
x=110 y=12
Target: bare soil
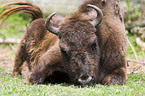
x=6 y=58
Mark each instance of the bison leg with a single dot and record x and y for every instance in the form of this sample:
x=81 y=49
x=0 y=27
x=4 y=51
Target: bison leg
x=47 y=62
x=118 y=76
x=38 y=77
x=19 y=59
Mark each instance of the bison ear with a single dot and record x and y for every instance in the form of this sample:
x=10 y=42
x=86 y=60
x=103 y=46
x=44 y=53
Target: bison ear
x=99 y=17
x=50 y=27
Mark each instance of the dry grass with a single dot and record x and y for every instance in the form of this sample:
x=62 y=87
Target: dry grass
x=6 y=58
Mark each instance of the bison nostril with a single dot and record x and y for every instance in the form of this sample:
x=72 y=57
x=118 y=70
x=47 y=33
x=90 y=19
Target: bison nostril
x=85 y=79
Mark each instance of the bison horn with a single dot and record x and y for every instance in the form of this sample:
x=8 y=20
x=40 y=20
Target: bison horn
x=50 y=27
x=98 y=20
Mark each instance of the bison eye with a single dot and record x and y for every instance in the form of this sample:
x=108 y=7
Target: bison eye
x=94 y=46
x=103 y=2
x=63 y=51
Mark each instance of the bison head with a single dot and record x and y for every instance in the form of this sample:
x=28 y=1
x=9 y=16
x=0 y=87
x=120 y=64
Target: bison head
x=79 y=44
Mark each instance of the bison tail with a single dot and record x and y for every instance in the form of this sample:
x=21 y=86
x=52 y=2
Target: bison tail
x=25 y=7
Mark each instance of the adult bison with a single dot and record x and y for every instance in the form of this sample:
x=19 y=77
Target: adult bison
x=83 y=50
x=41 y=50
x=94 y=54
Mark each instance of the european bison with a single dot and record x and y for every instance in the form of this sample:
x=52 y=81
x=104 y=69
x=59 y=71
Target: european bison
x=79 y=45
x=83 y=50
x=40 y=49
x=94 y=54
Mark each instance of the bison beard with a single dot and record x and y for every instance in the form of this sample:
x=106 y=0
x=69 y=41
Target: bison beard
x=83 y=50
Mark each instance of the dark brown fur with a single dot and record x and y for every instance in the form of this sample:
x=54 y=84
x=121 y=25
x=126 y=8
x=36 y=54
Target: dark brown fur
x=33 y=44
x=79 y=47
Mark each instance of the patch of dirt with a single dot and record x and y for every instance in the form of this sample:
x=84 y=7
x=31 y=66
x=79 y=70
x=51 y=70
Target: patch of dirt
x=134 y=67
x=6 y=58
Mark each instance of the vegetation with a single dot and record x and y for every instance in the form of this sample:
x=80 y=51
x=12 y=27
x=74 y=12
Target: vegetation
x=130 y=54
x=15 y=26
x=16 y=86
x=132 y=12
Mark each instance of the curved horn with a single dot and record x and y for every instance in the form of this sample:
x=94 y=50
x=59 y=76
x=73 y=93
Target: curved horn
x=98 y=20
x=50 y=27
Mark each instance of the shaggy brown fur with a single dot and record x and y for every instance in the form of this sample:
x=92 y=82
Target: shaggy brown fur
x=40 y=49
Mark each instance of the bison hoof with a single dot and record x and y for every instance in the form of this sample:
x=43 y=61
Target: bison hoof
x=36 y=78
x=113 y=79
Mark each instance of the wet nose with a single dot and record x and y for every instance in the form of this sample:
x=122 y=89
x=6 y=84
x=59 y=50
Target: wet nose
x=85 y=79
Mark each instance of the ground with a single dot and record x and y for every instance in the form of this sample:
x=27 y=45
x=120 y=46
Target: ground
x=6 y=58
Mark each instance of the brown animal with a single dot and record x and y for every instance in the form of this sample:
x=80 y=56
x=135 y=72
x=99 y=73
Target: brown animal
x=94 y=56
x=41 y=50
x=83 y=52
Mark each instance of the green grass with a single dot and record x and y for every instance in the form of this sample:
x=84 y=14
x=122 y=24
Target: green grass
x=14 y=26
x=130 y=53
x=135 y=85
